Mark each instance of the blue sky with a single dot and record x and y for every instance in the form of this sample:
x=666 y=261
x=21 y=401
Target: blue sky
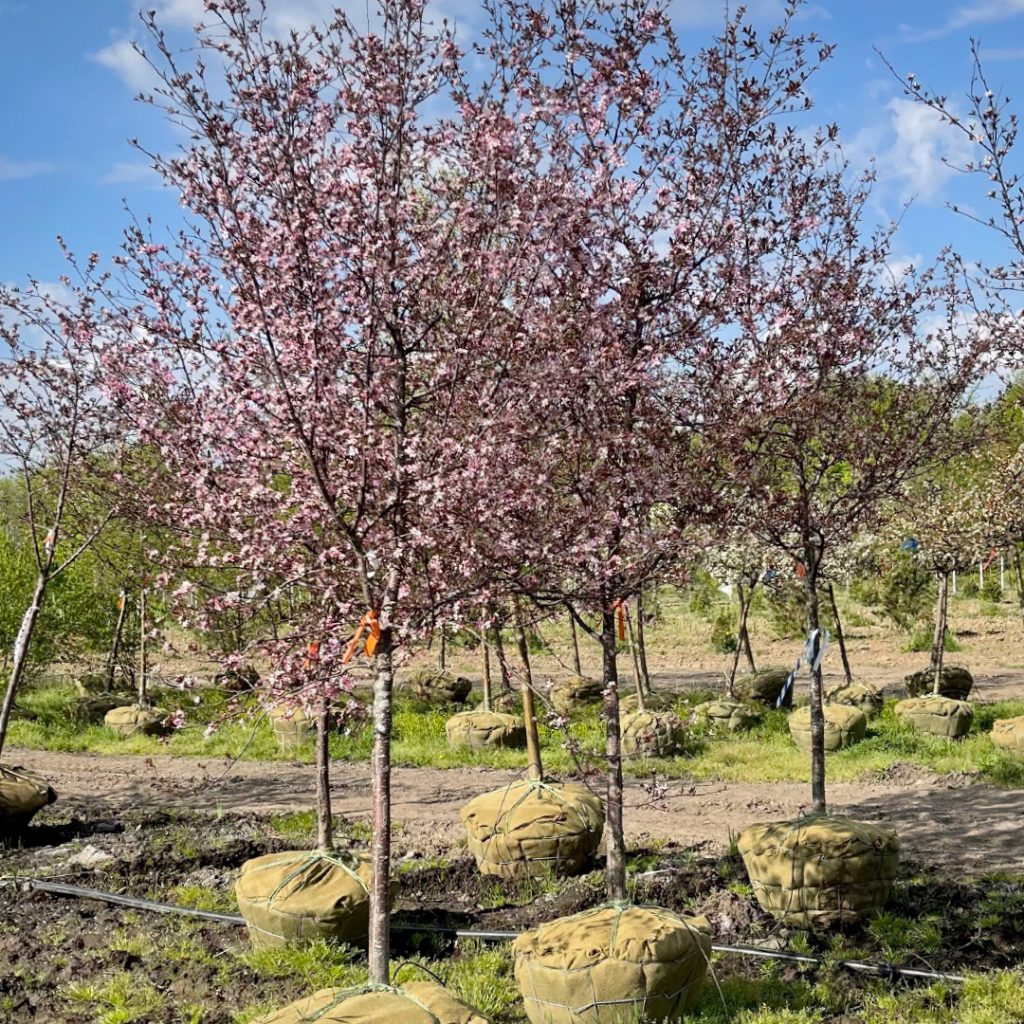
x=68 y=75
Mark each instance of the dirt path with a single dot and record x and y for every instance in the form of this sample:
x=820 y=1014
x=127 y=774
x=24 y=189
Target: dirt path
x=943 y=822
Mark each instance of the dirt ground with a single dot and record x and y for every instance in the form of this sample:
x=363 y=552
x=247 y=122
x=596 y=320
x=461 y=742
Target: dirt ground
x=945 y=821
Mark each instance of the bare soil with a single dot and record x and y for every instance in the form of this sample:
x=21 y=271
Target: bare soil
x=945 y=821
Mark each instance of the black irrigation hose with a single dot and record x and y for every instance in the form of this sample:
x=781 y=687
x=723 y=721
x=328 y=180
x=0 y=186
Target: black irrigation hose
x=888 y=971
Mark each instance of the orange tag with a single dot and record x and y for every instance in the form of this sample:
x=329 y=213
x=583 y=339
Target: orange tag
x=374 y=637
x=618 y=606
x=120 y=603
x=801 y=570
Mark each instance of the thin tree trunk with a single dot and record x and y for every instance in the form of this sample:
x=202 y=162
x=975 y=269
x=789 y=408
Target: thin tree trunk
x=499 y=649
x=641 y=640
x=615 y=869
x=143 y=649
x=488 y=685
x=744 y=634
x=730 y=683
x=324 y=818
x=818 y=803
x=442 y=653
x=641 y=704
x=380 y=842
x=534 y=769
x=939 y=640
x=20 y=657
x=122 y=612
x=577 y=666
x=840 y=639
x=1019 y=572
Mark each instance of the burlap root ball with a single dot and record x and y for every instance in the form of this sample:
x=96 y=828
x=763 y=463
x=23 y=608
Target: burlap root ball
x=237 y=680
x=22 y=793
x=434 y=687
x=658 y=701
x=300 y=895
x=574 y=693
x=820 y=870
x=955 y=682
x=939 y=716
x=763 y=686
x=1008 y=733
x=93 y=710
x=530 y=829
x=478 y=729
x=419 y=1002
x=133 y=719
x=291 y=726
x=651 y=734
x=91 y=683
x=727 y=714
x=844 y=726
x=615 y=964
x=863 y=696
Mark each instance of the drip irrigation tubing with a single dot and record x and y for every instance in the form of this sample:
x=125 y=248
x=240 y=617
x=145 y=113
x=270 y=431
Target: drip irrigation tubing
x=889 y=971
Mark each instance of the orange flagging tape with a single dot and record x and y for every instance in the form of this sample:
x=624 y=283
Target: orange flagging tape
x=368 y=623
x=619 y=607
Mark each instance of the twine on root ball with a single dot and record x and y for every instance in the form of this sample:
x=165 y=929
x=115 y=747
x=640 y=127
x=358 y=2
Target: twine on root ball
x=844 y=726
x=651 y=734
x=418 y=1002
x=574 y=693
x=955 y=682
x=820 y=870
x=301 y=895
x=763 y=686
x=938 y=716
x=434 y=687
x=532 y=828
x=614 y=964
x=478 y=729
x=727 y=714
x=134 y=719
x=22 y=794
x=291 y=726
x=863 y=696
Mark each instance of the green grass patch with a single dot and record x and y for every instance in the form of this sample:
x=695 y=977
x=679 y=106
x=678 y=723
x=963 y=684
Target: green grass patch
x=121 y=999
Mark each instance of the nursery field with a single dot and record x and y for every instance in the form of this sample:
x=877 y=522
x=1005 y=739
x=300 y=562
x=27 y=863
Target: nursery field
x=173 y=819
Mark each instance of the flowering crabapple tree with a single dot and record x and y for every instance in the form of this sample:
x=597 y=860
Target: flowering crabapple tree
x=860 y=375
x=57 y=437
x=324 y=356
x=663 y=148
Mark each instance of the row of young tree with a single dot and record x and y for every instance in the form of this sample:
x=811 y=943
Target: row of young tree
x=446 y=331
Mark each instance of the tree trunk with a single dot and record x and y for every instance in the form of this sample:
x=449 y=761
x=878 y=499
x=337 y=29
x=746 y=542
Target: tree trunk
x=324 y=818
x=143 y=649
x=380 y=842
x=939 y=640
x=637 y=677
x=1019 y=571
x=488 y=685
x=20 y=657
x=744 y=635
x=615 y=869
x=442 y=653
x=840 y=639
x=577 y=666
x=641 y=640
x=730 y=683
x=115 y=647
x=534 y=770
x=499 y=649
x=818 y=804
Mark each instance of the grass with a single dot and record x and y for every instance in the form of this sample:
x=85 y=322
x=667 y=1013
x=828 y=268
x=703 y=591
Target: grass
x=764 y=754
x=118 y=1000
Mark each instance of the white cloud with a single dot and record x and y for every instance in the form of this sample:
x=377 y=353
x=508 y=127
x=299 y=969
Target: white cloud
x=923 y=143
x=712 y=13
x=12 y=170
x=1011 y=53
x=127 y=63
x=125 y=172
x=982 y=12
